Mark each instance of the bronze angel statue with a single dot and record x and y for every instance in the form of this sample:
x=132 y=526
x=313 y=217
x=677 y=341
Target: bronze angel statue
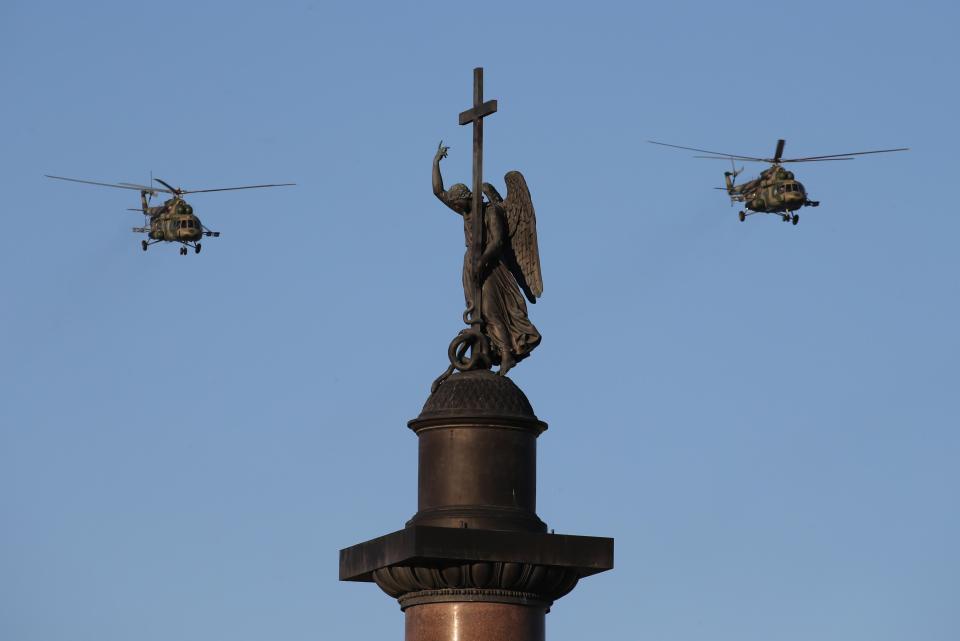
x=508 y=264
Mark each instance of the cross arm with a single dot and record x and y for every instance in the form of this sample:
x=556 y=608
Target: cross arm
x=471 y=115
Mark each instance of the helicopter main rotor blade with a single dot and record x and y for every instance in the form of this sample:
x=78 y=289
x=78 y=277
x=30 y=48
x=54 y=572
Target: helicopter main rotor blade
x=201 y=191
x=172 y=189
x=707 y=151
x=854 y=153
x=115 y=185
x=766 y=160
x=779 y=152
x=152 y=190
x=816 y=159
x=770 y=160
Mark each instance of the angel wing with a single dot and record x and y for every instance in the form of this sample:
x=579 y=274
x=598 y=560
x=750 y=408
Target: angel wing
x=522 y=225
x=492 y=194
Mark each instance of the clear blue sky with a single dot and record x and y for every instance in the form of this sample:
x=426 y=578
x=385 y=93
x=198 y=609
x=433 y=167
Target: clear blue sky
x=763 y=416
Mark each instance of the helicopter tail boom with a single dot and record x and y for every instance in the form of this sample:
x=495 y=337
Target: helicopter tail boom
x=729 y=177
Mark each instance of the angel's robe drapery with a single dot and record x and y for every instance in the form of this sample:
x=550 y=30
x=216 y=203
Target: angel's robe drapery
x=503 y=307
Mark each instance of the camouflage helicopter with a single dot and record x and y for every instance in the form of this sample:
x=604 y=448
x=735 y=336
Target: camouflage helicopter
x=174 y=220
x=775 y=191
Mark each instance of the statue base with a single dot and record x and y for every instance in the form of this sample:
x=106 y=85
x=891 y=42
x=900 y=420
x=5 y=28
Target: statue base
x=475 y=561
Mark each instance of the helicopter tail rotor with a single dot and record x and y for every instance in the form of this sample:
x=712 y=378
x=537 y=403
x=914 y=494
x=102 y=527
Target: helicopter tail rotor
x=734 y=172
x=731 y=179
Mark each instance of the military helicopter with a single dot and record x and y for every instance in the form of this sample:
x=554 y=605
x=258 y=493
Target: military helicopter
x=174 y=220
x=776 y=190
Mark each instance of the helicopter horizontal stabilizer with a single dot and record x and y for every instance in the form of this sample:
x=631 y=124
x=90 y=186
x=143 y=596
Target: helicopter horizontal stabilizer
x=141 y=230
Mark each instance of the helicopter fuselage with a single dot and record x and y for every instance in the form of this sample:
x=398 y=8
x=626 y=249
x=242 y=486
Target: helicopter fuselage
x=775 y=191
x=173 y=222
x=176 y=228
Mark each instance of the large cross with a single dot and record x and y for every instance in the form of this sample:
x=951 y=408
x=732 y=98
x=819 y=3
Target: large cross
x=476 y=115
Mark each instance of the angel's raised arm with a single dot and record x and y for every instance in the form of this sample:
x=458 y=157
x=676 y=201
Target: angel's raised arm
x=444 y=196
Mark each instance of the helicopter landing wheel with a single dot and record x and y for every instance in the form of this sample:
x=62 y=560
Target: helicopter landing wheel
x=796 y=218
x=196 y=248
x=743 y=216
x=144 y=245
x=183 y=251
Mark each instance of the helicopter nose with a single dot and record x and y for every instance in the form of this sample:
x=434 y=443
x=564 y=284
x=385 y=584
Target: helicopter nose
x=793 y=201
